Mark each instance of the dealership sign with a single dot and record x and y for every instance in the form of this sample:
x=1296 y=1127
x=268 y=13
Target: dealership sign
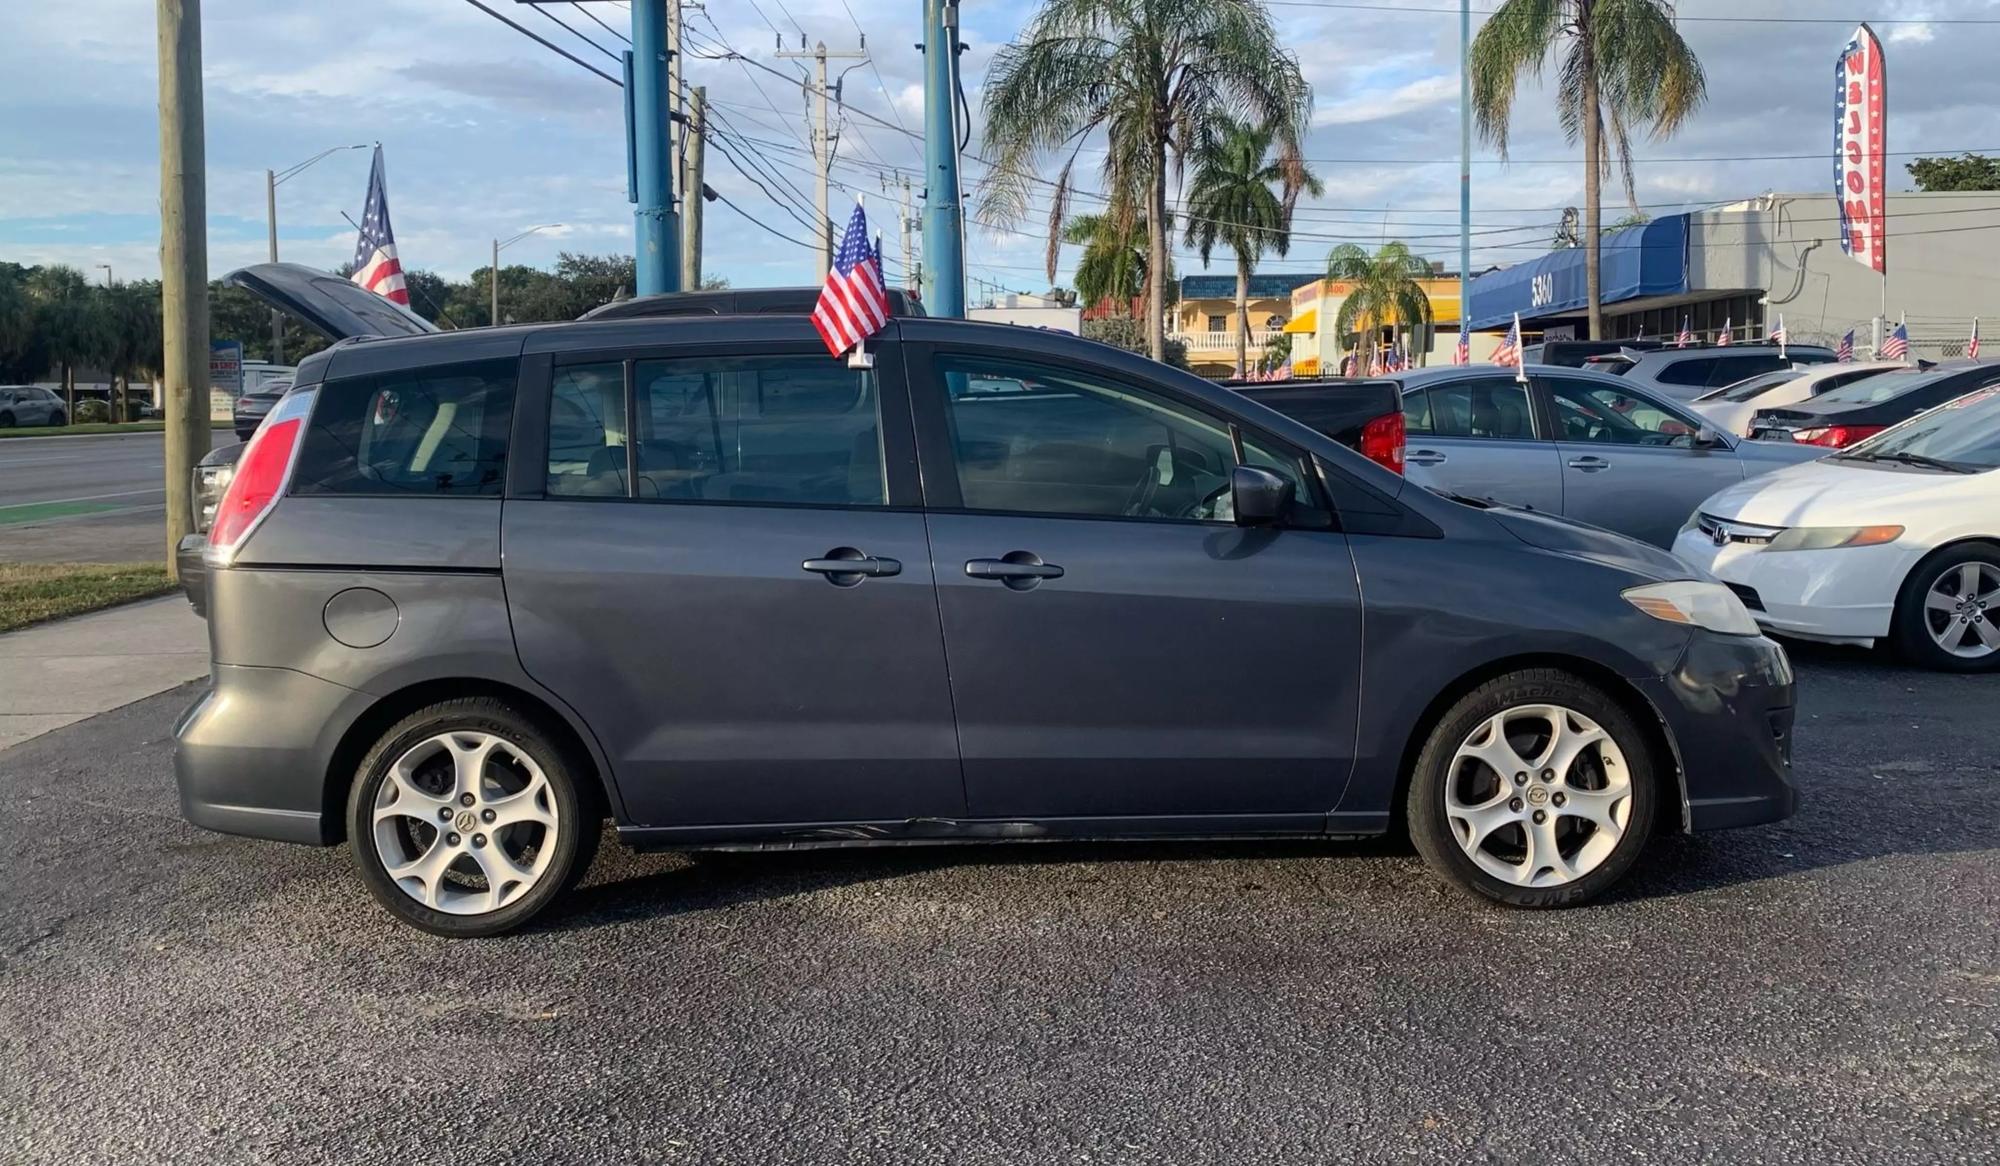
x=1860 y=137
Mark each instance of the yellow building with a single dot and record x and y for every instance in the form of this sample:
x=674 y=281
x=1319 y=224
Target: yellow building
x=1314 y=306
x=1205 y=318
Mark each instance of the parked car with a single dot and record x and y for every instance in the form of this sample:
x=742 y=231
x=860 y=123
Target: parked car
x=1573 y=353
x=1568 y=442
x=1846 y=415
x=1687 y=373
x=26 y=405
x=1896 y=538
x=1731 y=409
x=736 y=568
x=251 y=408
x=1364 y=415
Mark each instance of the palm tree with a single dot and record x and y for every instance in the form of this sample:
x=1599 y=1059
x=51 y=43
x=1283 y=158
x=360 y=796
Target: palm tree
x=1623 y=65
x=1159 y=77
x=1113 y=266
x=1231 y=203
x=1385 y=291
x=71 y=316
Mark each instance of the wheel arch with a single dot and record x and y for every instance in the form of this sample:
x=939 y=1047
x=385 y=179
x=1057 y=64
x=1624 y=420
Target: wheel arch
x=367 y=728
x=1669 y=773
x=1989 y=541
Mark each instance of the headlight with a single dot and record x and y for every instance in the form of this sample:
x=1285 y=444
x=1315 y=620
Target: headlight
x=1825 y=538
x=209 y=483
x=1701 y=605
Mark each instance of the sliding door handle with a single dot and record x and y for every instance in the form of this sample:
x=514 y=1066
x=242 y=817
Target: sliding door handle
x=845 y=566
x=1018 y=570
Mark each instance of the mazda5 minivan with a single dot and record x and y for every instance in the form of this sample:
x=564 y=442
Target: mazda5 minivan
x=472 y=593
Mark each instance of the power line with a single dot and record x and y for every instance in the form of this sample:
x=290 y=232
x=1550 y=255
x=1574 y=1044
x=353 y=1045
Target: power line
x=573 y=32
x=1850 y=21
x=600 y=23
x=546 y=43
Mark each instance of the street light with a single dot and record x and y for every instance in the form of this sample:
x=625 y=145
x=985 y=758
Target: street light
x=108 y=281
x=272 y=180
x=493 y=274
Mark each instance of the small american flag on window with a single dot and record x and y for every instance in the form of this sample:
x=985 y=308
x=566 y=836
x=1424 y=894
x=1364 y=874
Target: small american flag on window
x=854 y=304
x=1844 y=352
x=1897 y=346
x=375 y=264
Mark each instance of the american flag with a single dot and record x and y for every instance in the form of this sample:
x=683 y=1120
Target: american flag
x=1685 y=336
x=1972 y=347
x=854 y=304
x=375 y=264
x=1844 y=353
x=1777 y=335
x=1463 y=353
x=1394 y=361
x=1509 y=352
x=1897 y=346
x=1722 y=339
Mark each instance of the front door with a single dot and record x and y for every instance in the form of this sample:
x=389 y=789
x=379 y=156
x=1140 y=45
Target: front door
x=716 y=581
x=1475 y=435
x=1118 y=647
x=1630 y=463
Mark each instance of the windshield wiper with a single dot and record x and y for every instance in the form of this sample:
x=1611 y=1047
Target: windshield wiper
x=1925 y=461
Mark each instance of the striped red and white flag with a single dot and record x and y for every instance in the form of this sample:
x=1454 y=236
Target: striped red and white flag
x=375 y=264
x=854 y=304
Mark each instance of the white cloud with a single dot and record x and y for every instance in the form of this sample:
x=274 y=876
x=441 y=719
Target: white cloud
x=1419 y=94
x=1918 y=34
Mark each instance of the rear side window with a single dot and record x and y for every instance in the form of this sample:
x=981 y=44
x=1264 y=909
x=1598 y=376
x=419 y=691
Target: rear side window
x=1479 y=407
x=434 y=431
x=784 y=430
x=1688 y=372
x=1730 y=369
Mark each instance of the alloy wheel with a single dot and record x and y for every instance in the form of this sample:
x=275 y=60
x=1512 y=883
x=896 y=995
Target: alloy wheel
x=1538 y=795
x=1956 y=610
x=465 y=822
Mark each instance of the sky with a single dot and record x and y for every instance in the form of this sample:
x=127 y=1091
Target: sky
x=488 y=133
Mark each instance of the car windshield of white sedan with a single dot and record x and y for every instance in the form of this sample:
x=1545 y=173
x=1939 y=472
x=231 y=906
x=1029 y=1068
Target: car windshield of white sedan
x=1883 y=386
x=1961 y=436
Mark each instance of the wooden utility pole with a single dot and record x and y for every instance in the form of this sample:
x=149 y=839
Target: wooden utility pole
x=183 y=260
x=691 y=176
x=823 y=138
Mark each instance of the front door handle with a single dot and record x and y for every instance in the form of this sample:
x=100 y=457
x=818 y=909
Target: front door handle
x=1589 y=465
x=1017 y=570
x=845 y=566
x=1424 y=457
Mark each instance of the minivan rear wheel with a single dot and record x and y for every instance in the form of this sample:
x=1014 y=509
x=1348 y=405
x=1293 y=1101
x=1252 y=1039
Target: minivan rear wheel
x=1534 y=789
x=466 y=819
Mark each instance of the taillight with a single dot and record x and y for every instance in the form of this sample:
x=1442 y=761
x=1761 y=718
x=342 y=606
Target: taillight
x=1382 y=440
x=261 y=474
x=1837 y=436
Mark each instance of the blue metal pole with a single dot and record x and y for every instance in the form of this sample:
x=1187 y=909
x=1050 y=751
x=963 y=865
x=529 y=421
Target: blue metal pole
x=1464 y=162
x=656 y=246
x=944 y=222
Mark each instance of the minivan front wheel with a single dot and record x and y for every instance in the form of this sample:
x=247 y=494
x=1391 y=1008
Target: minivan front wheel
x=1535 y=790
x=466 y=819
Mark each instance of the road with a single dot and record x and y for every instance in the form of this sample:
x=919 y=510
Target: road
x=1826 y=990
x=84 y=499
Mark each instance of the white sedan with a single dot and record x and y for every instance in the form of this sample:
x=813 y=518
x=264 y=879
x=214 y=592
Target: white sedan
x=1731 y=407
x=1896 y=538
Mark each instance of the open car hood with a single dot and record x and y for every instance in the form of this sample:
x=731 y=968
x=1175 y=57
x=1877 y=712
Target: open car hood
x=326 y=303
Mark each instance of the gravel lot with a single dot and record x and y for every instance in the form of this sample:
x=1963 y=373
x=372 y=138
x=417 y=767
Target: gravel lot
x=1823 y=991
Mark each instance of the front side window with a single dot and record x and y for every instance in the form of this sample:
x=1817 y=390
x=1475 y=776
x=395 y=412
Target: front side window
x=1730 y=369
x=435 y=431
x=1479 y=407
x=1599 y=413
x=784 y=430
x=1072 y=443
x=1688 y=372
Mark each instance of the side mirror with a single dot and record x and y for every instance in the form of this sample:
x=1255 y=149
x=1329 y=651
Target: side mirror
x=1258 y=496
x=1707 y=438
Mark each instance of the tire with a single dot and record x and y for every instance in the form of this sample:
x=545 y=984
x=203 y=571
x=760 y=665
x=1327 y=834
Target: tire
x=6 y=421
x=447 y=889
x=58 y=419
x=1597 y=811
x=1917 y=628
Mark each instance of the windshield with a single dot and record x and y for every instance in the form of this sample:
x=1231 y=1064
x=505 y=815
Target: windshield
x=1755 y=386
x=1882 y=386
x=1964 y=433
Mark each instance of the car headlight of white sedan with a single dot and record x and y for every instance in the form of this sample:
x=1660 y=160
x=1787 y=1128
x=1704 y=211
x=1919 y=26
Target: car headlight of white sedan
x=1826 y=538
x=1703 y=605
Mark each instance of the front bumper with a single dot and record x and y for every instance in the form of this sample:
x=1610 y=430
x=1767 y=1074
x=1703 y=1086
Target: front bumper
x=1846 y=595
x=1728 y=708
x=251 y=756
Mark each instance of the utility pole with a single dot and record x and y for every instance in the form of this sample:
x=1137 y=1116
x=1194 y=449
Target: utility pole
x=656 y=227
x=912 y=277
x=271 y=222
x=691 y=179
x=493 y=286
x=944 y=220
x=183 y=260
x=1464 y=164
x=823 y=137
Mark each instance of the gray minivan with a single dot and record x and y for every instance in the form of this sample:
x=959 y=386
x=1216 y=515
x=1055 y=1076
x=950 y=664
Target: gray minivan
x=473 y=592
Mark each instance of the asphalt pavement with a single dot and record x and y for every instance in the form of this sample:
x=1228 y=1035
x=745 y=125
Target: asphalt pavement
x=98 y=498
x=1826 y=990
